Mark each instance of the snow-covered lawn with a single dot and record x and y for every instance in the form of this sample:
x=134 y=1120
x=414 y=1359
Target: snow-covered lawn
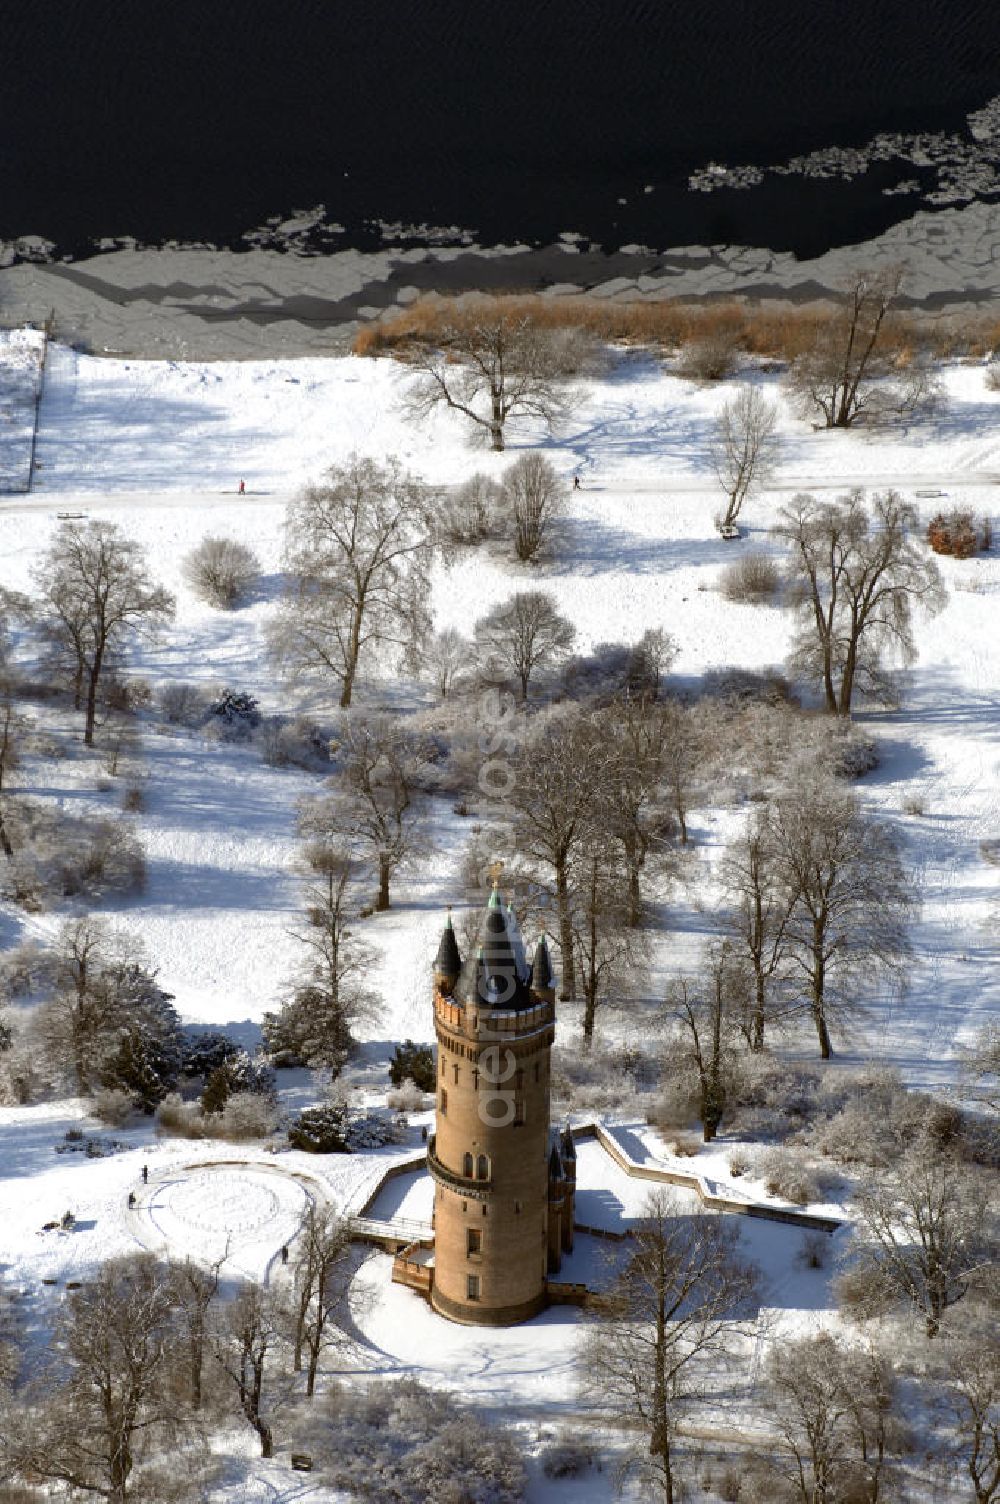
x=160 y=447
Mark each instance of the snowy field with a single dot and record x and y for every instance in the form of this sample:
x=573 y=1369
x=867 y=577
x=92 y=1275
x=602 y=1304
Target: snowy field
x=160 y=448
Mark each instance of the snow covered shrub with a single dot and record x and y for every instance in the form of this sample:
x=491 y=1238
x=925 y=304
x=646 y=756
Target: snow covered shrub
x=400 y=1443
x=320 y=1130
x=568 y=1456
x=873 y=1123
x=183 y=704
x=413 y=1062
x=246 y=1115
x=222 y=571
x=112 y=1106
x=407 y=1098
x=374 y=1129
x=712 y=357
x=298 y=743
x=770 y=1097
x=183 y=1119
x=204 y=1050
x=954 y=533
x=612 y=669
x=815 y=1250
x=752 y=579
x=787 y=1176
x=241 y=1072
x=236 y=714
x=745 y=685
x=853 y=754
x=59 y=855
x=471 y=514
x=989 y=850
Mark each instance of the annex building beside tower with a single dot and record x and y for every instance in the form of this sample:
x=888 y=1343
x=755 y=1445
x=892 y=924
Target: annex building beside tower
x=504 y=1183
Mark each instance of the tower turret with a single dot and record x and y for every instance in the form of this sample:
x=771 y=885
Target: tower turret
x=448 y=961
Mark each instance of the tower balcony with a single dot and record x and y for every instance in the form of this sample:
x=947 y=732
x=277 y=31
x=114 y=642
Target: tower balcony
x=464 y=1185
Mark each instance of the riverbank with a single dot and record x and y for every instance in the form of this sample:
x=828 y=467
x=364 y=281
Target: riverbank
x=204 y=304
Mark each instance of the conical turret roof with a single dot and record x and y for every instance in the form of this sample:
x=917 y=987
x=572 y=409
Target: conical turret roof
x=497 y=976
x=542 y=975
x=448 y=961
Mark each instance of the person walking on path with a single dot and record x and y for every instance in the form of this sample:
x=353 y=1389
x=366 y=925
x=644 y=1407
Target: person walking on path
x=145 y=1174
x=243 y=488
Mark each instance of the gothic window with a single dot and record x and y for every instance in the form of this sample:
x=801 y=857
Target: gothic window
x=483 y=1168
x=455 y=1068
x=472 y=1286
x=475 y=1080
x=519 y=1080
x=518 y=1111
x=473 y=1241
x=537 y=1070
x=467 y=1167
x=444 y=1065
x=444 y=1100
x=517 y=1208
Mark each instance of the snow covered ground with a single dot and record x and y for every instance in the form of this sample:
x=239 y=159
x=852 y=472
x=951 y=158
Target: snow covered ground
x=160 y=447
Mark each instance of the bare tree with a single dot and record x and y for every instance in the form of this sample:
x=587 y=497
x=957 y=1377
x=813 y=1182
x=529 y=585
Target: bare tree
x=984 y=1066
x=609 y=953
x=743 y=447
x=77 y=1024
x=928 y=1232
x=99 y=997
x=972 y=1391
x=855 y=575
x=682 y=1289
x=383 y=765
x=471 y=513
x=683 y=759
x=96 y=595
x=445 y=660
x=315 y=1023
x=11 y=728
x=522 y=635
x=555 y=792
x=105 y=1400
x=834 y=1408
x=706 y=1008
x=761 y=901
x=357 y=549
x=847 y=895
x=222 y=571
x=321 y=1269
x=193 y=1289
x=535 y=497
x=853 y=373
x=637 y=732
x=492 y=365
x=246 y=1341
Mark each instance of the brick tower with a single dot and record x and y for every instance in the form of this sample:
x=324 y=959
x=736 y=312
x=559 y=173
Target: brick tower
x=494 y=1017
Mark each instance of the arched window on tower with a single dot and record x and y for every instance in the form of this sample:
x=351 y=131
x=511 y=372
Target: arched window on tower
x=483 y=1168
x=467 y=1170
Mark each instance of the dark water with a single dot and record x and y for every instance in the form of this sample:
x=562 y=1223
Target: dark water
x=170 y=119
